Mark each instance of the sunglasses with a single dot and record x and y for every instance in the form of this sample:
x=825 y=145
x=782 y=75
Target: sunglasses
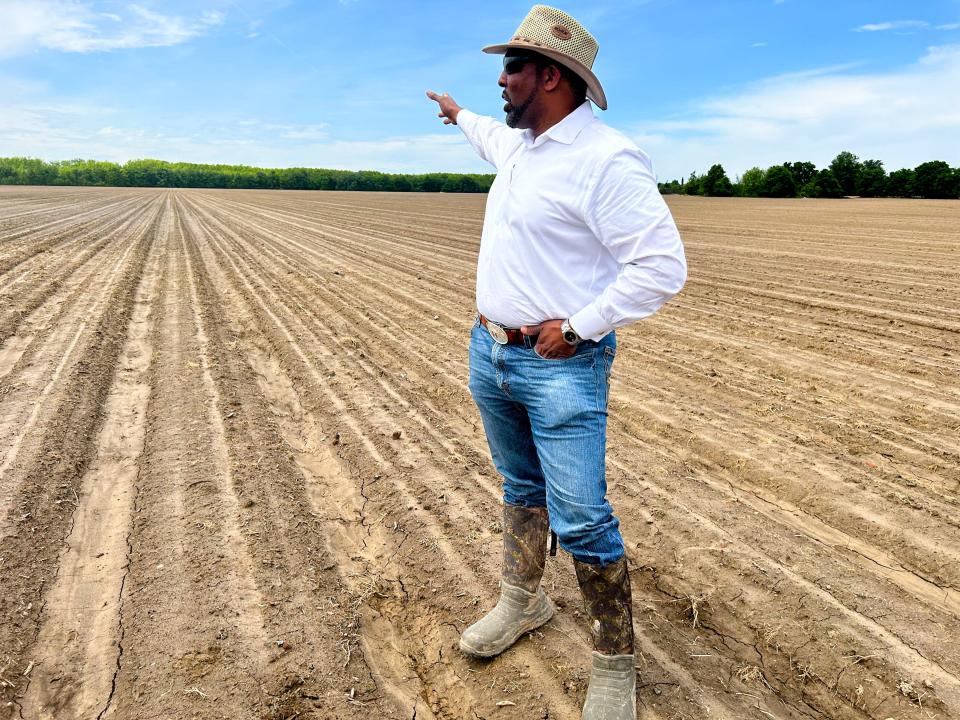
x=514 y=63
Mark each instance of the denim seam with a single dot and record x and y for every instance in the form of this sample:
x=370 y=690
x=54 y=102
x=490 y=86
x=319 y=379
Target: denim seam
x=600 y=429
x=498 y=359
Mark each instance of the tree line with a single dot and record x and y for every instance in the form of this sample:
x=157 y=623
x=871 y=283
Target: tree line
x=846 y=175
x=158 y=173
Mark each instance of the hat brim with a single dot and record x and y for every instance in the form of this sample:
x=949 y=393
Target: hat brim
x=594 y=88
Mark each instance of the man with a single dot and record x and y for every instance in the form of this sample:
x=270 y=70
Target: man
x=576 y=242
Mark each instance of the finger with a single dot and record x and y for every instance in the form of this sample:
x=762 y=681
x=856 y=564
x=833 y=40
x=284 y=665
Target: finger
x=432 y=95
x=531 y=329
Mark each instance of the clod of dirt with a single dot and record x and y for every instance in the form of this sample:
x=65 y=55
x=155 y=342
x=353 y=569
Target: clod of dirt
x=396 y=434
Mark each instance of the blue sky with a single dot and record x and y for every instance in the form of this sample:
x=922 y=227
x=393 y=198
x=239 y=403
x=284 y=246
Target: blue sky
x=339 y=83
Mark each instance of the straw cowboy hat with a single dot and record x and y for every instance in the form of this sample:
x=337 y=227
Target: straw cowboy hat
x=553 y=33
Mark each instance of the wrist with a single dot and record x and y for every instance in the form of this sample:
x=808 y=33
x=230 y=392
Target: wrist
x=570 y=336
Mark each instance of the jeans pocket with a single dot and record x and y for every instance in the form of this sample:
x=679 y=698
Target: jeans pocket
x=585 y=351
x=557 y=360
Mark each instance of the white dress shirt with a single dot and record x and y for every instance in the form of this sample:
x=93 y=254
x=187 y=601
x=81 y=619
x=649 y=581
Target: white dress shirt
x=575 y=227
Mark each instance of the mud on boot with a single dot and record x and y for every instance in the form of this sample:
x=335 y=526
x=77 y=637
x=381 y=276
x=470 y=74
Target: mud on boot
x=523 y=605
x=518 y=612
x=609 y=605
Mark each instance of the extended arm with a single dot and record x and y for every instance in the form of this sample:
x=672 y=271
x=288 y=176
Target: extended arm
x=492 y=139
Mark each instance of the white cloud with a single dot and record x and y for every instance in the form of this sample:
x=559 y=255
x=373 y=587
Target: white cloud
x=71 y=26
x=895 y=25
x=902 y=117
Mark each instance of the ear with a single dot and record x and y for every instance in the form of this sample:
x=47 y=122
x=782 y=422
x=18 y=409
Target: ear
x=550 y=78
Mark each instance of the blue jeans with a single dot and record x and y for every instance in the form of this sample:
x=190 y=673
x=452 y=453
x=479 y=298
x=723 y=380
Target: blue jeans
x=546 y=424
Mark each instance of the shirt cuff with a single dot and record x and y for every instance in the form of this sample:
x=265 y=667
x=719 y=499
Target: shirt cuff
x=588 y=324
x=467 y=115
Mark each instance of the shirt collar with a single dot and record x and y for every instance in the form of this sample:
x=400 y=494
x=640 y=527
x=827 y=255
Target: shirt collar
x=565 y=131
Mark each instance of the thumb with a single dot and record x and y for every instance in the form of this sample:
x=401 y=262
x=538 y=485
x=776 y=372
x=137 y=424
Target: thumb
x=531 y=329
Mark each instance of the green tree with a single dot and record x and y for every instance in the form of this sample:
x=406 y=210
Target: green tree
x=846 y=169
x=673 y=187
x=900 y=183
x=431 y=182
x=751 y=184
x=29 y=171
x=778 y=183
x=803 y=172
x=716 y=183
x=822 y=185
x=873 y=179
x=460 y=184
x=693 y=185
x=934 y=179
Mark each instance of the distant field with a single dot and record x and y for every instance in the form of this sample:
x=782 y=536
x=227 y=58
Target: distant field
x=241 y=475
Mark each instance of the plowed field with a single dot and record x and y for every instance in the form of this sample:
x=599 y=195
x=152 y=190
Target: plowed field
x=241 y=475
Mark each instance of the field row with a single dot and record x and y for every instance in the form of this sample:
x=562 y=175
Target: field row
x=241 y=474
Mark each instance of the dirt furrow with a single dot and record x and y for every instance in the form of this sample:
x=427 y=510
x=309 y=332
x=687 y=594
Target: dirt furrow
x=254 y=272
x=34 y=378
x=338 y=243
x=927 y=520
x=314 y=518
x=49 y=482
x=43 y=239
x=47 y=264
x=933 y=591
x=36 y=328
x=77 y=652
x=384 y=493
x=304 y=610
x=57 y=272
x=251 y=273
x=187 y=607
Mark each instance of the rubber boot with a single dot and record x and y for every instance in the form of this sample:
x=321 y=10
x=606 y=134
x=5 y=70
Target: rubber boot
x=523 y=605
x=609 y=605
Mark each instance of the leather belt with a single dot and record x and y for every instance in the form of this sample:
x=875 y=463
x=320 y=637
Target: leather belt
x=506 y=336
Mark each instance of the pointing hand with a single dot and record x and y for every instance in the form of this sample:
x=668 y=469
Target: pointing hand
x=448 y=107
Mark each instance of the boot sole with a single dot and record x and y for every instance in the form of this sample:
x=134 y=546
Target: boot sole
x=536 y=622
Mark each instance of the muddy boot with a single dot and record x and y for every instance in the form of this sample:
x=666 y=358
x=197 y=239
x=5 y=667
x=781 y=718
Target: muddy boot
x=613 y=679
x=523 y=606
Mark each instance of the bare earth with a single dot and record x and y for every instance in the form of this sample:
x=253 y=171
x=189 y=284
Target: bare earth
x=241 y=475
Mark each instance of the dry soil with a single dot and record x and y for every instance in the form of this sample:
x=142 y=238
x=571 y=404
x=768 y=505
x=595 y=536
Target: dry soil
x=241 y=475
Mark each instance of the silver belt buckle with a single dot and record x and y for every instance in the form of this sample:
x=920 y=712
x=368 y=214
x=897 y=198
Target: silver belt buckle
x=498 y=334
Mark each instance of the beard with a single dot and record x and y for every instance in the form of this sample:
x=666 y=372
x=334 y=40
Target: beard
x=516 y=112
